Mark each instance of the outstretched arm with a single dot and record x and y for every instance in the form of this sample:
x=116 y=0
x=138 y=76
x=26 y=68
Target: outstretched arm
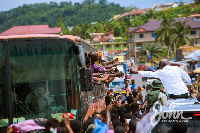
x=138 y=94
x=110 y=80
x=110 y=66
x=109 y=62
x=101 y=79
x=97 y=74
x=185 y=76
x=108 y=118
x=117 y=74
x=144 y=73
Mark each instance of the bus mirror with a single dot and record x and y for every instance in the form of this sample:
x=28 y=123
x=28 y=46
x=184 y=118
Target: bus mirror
x=81 y=56
x=86 y=79
x=88 y=74
x=82 y=79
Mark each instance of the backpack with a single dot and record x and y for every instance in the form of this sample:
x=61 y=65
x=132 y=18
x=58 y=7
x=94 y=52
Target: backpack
x=152 y=97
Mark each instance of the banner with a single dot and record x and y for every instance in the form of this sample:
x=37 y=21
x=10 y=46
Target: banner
x=147 y=52
x=148 y=55
x=168 y=54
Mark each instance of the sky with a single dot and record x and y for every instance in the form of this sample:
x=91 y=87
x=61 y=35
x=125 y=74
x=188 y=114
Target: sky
x=6 y=5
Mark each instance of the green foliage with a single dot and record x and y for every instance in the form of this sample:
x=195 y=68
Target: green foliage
x=128 y=9
x=179 y=34
x=154 y=50
x=102 y=1
x=196 y=10
x=81 y=15
x=60 y=24
x=117 y=31
x=72 y=15
x=163 y=34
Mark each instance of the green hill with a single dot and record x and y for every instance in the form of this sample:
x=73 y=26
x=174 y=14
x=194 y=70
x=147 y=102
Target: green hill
x=83 y=14
x=72 y=14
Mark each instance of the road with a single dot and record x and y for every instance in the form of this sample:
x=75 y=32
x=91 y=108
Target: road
x=138 y=81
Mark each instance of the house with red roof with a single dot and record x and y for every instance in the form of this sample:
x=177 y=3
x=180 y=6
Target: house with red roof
x=144 y=34
x=135 y=12
x=106 y=42
x=101 y=37
x=166 y=6
x=31 y=29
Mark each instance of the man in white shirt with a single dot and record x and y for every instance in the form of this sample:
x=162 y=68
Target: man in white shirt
x=171 y=78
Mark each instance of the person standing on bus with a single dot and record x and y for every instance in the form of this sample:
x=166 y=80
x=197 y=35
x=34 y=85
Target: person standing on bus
x=171 y=78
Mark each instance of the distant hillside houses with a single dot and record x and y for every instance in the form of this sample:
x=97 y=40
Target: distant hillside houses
x=166 y=6
x=138 y=12
x=107 y=42
x=144 y=34
x=135 y=12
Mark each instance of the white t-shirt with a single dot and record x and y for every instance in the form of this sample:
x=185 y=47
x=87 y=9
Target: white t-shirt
x=171 y=78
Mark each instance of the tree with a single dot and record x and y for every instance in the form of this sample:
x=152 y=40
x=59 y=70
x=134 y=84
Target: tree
x=163 y=34
x=76 y=31
x=197 y=1
x=128 y=9
x=109 y=26
x=151 y=14
x=102 y=1
x=88 y=2
x=154 y=50
x=85 y=30
x=60 y=24
x=117 y=31
x=53 y=4
x=97 y=28
x=179 y=34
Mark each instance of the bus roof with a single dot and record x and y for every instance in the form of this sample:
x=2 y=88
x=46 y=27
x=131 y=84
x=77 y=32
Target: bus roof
x=73 y=38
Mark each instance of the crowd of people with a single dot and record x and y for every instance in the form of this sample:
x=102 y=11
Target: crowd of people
x=119 y=116
x=129 y=115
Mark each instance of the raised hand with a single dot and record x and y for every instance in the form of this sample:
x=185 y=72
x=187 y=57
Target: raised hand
x=109 y=107
x=65 y=119
x=116 y=60
x=189 y=88
x=134 y=70
x=140 y=89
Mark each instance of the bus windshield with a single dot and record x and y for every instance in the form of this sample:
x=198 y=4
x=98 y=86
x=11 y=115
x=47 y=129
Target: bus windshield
x=44 y=79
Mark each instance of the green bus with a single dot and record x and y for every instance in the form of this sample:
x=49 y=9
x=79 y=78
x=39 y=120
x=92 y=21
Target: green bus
x=42 y=77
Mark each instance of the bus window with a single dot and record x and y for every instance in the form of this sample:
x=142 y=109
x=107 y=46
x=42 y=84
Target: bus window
x=44 y=78
x=3 y=91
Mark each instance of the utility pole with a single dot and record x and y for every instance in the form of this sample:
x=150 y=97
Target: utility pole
x=194 y=47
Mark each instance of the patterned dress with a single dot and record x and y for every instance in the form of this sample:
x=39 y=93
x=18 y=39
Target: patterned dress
x=97 y=69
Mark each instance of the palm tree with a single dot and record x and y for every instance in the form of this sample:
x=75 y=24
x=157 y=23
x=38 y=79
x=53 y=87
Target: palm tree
x=164 y=33
x=96 y=27
x=179 y=33
x=154 y=50
x=109 y=26
x=60 y=24
x=85 y=30
x=76 y=31
x=151 y=14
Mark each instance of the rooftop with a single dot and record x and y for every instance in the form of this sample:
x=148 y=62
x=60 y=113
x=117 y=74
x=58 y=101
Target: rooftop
x=154 y=24
x=31 y=29
x=136 y=12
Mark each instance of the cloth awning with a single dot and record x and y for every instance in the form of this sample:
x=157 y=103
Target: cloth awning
x=195 y=54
